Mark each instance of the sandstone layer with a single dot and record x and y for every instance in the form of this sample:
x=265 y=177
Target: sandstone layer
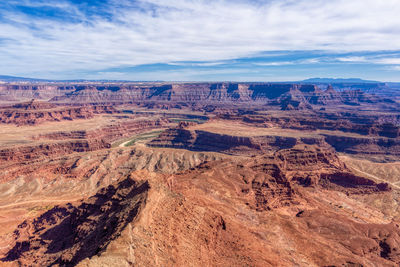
x=199 y=174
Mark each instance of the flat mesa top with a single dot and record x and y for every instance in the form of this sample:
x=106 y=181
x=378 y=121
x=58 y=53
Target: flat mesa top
x=243 y=129
x=11 y=135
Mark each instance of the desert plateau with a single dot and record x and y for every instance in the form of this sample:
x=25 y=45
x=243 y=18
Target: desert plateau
x=199 y=133
x=190 y=174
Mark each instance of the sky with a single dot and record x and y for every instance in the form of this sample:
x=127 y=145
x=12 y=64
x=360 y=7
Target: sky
x=200 y=40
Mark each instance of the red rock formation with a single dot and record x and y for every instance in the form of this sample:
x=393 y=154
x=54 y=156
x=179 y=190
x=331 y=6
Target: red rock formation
x=228 y=212
x=286 y=95
x=199 y=140
x=16 y=92
x=364 y=145
x=376 y=242
x=108 y=133
x=376 y=139
x=33 y=105
x=67 y=234
x=83 y=141
x=273 y=201
x=33 y=112
x=24 y=153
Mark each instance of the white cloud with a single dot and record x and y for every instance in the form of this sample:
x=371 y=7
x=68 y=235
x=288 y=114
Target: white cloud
x=310 y=61
x=194 y=30
x=372 y=59
x=388 y=61
x=277 y=63
x=353 y=59
x=198 y=64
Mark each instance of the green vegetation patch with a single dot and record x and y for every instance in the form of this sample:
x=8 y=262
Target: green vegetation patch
x=144 y=136
x=178 y=120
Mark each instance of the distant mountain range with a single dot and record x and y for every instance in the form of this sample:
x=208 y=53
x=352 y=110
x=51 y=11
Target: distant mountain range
x=338 y=80
x=6 y=78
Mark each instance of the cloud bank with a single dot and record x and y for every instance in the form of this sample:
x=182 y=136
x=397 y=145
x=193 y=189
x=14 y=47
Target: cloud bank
x=56 y=38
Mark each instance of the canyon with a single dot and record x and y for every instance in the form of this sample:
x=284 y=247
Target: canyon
x=191 y=174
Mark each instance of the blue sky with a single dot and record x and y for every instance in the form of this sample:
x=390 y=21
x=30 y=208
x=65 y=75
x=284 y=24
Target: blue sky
x=200 y=40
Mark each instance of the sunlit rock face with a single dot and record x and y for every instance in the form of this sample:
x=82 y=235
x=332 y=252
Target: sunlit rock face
x=192 y=174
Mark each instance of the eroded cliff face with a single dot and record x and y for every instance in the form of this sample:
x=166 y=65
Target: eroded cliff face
x=33 y=113
x=229 y=212
x=347 y=133
x=24 y=153
x=242 y=174
x=67 y=234
x=108 y=133
x=371 y=124
x=249 y=213
x=370 y=243
x=18 y=92
x=199 y=140
x=367 y=145
x=62 y=143
x=288 y=96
